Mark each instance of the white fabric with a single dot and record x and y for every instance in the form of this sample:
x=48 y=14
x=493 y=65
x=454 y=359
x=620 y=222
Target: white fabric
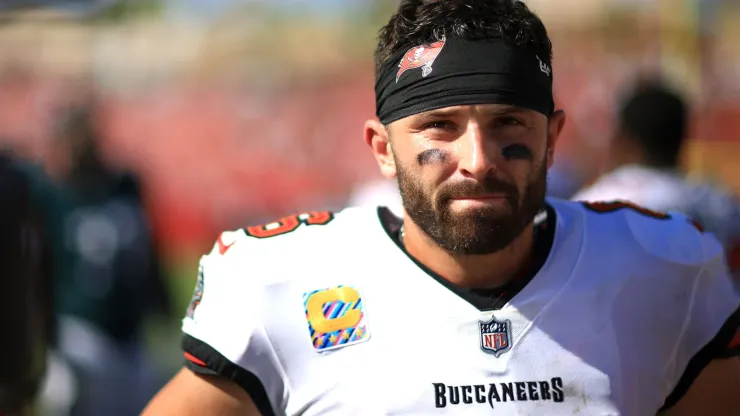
x=606 y=327
x=715 y=208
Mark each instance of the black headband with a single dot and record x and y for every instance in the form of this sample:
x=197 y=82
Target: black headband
x=456 y=71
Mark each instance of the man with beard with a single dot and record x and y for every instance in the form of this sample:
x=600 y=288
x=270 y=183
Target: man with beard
x=485 y=295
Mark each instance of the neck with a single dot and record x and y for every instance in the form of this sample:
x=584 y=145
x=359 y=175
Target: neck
x=473 y=271
x=625 y=152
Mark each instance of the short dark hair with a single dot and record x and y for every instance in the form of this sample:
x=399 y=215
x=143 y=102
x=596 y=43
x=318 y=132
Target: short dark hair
x=655 y=117
x=418 y=22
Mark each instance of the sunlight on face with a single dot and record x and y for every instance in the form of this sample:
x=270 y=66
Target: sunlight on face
x=472 y=177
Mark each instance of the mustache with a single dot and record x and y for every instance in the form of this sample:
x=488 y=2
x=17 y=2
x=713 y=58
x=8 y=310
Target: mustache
x=470 y=188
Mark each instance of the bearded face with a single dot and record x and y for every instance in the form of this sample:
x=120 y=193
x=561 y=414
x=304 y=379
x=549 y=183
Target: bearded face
x=480 y=229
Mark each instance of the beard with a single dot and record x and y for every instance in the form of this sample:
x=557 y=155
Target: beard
x=476 y=231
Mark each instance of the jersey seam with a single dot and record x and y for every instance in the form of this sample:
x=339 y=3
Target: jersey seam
x=575 y=266
x=685 y=326
x=279 y=364
x=279 y=367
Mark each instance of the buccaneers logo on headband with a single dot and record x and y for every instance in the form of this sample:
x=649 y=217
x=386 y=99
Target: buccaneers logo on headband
x=420 y=57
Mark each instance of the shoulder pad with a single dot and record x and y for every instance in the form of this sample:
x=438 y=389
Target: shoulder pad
x=289 y=224
x=285 y=248
x=254 y=240
x=669 y=236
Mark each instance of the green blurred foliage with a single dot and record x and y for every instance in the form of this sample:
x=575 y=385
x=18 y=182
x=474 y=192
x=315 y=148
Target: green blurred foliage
x=131 y=9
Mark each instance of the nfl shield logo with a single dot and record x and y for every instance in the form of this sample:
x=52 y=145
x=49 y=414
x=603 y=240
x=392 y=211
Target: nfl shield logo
x=495 y=336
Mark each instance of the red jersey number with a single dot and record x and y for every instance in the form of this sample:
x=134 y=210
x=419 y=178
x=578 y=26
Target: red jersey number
x=289 y=224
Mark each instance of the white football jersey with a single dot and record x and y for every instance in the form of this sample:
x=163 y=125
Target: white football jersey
x=663 y=190
x=326 y=314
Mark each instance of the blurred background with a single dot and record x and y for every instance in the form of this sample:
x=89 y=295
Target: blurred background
x=155 y=124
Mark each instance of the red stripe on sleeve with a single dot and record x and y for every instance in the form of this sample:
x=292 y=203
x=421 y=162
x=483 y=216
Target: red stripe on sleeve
x=195 y=360
x=735 y=341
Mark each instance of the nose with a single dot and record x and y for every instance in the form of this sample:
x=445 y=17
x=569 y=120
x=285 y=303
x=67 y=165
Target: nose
x=476 y=154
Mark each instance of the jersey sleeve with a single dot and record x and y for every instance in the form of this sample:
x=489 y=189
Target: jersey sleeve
x=710 y=329
x=223 y=331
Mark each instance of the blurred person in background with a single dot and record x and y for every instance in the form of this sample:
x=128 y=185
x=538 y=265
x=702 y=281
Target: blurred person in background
x=115 y=280
x=27 y=282
x=650 y=137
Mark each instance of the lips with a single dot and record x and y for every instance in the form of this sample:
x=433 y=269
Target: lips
x=480 y=197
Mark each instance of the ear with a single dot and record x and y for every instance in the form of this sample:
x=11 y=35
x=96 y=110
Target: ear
x=376 y=136
x=554 y=128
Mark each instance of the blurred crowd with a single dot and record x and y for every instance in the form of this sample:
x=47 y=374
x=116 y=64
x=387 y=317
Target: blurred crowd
x=134 y=142
x=99 y=267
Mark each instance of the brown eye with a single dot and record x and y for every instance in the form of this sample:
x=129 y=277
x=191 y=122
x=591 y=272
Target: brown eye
x=508 y=121
x=439 y=125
